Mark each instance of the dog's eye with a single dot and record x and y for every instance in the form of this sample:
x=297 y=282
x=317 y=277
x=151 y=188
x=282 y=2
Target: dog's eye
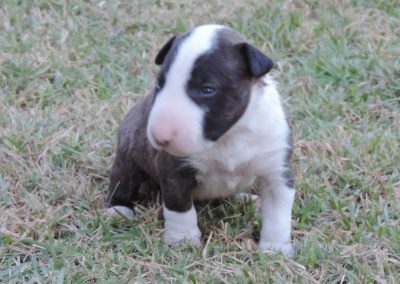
x=207 y=91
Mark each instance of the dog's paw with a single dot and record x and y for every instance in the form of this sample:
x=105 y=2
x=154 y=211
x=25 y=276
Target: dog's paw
x=181 y=226
x=285 y=248
x=117 y=211
x=245 y=198
x=172 y=237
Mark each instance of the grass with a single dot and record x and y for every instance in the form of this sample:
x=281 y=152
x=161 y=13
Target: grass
x=70 y=70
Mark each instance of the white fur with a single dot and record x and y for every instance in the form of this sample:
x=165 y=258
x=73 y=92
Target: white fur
x=254 y=147
x=174 y=117
x=244 y=197
x=120 y=210
x=181 y=226
x=276 y=204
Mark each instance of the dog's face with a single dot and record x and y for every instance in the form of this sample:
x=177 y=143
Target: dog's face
x=203 y=88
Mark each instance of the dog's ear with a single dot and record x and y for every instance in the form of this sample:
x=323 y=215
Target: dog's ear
x=164 y=51
x=257 y=62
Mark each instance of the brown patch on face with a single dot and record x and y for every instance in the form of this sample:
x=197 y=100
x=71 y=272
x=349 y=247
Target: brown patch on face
x=224 y=70
x=229 y=70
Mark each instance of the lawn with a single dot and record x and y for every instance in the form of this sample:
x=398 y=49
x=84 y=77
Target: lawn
x=70 y=70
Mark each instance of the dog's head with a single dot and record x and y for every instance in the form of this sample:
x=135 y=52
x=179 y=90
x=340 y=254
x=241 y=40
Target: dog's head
x=203 y=88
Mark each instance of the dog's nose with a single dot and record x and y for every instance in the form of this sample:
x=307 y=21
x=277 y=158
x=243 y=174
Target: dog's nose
x=162 y=143
x=162 y=138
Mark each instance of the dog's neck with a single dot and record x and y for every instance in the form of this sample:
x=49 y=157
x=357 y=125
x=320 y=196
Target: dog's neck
x=259 y=130
x=263 y=112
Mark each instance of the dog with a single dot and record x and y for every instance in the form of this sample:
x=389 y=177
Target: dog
x=213 y=126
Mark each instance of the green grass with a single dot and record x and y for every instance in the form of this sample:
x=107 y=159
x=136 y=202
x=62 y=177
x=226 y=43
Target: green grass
x=70 y=70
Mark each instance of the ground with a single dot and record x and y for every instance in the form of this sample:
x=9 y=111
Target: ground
x=70 y=70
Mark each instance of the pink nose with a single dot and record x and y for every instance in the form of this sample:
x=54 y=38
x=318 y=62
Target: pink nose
x=162 y=138
x=162 y=143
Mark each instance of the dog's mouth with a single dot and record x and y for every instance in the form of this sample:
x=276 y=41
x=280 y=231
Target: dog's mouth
x=180 y=147
x=176 y=149
x=176 y=153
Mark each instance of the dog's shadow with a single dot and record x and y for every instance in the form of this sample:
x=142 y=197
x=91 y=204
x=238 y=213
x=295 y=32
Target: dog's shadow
x=225 y=220
x=228 y=220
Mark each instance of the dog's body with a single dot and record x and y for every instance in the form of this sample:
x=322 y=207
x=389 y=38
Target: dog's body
x=213 y=126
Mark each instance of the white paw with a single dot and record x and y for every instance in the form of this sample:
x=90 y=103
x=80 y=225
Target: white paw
x=180 y=226
x=285 y=248
x=117 y=211
x=244 y=197
x=172 y=237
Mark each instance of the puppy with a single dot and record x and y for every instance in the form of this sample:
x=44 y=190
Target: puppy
x=213 y=126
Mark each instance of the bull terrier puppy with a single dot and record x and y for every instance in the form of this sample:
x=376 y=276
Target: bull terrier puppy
x=213 y=126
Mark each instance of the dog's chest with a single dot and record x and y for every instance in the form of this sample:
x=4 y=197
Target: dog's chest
x=225 y=170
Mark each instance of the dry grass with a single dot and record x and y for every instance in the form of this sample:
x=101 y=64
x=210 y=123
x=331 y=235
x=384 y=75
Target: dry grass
x=69 y=71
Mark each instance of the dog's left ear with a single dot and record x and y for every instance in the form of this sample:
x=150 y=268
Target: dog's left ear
x=164 y=51
x=257 y=62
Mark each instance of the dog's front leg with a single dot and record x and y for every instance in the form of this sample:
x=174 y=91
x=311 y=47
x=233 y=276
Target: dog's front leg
x=180 y=226
x=177 y=183
x=276 y=208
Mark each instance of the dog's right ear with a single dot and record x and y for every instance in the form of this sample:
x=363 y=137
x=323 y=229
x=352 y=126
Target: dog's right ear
x=164 y=51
